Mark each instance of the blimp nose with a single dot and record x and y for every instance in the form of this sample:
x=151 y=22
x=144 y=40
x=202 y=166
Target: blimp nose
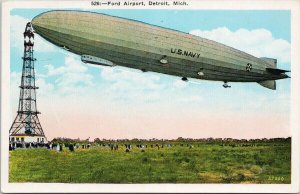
x=35 y=22
x=54 y=21
x=60 y=28
x=39 y=23
x=49 y=26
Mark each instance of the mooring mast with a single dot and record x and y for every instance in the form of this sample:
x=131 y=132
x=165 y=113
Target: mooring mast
x=26 y=126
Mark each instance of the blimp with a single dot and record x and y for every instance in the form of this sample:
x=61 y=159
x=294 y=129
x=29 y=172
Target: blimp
x=102 y=39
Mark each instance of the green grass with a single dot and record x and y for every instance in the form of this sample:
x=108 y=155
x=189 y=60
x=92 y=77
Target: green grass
x=203 y=163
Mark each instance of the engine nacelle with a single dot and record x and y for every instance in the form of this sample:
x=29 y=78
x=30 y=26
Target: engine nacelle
x=96 y=60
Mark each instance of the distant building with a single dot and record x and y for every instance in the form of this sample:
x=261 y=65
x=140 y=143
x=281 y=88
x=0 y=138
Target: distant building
x=27 y=138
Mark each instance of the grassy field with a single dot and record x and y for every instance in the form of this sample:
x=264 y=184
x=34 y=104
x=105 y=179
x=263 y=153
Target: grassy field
x=204 y=163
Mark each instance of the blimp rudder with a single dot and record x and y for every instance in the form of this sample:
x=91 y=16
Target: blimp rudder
x=270 y=84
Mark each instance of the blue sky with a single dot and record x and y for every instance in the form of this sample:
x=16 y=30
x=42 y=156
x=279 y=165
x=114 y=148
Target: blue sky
x=125 y=95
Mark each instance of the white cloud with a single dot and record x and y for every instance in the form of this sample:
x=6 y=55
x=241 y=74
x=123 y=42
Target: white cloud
x=132 y=85
x=71 y=76
x=71 y=65
x=44 y=87
x=52 y=71
x=17 y=27
x=122 y=76
x=258 y=42
x=179 y=84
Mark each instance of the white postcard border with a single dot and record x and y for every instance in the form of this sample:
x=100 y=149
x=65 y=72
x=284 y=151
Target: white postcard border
x=292 y=5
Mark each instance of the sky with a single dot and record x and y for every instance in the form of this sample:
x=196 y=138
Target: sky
x=81 y=101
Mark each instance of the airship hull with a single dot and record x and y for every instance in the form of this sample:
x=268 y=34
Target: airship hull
x=151 y=48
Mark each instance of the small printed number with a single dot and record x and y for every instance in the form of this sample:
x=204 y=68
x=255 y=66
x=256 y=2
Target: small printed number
x=275 y=178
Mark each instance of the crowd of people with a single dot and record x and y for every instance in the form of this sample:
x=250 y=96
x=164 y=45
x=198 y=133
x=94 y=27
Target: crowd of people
x=72 y=146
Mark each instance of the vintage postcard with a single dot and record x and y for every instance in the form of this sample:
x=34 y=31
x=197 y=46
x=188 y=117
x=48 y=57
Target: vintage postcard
x=150 y=96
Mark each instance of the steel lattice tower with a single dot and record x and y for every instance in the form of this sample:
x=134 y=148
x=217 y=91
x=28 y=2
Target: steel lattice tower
x=27 y=122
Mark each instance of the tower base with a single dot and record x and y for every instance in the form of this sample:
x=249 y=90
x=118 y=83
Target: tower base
x=19 y=138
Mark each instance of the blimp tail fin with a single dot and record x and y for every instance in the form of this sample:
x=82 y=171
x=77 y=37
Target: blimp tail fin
x=276 y=71
x=270 y=61
x=271 y=84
